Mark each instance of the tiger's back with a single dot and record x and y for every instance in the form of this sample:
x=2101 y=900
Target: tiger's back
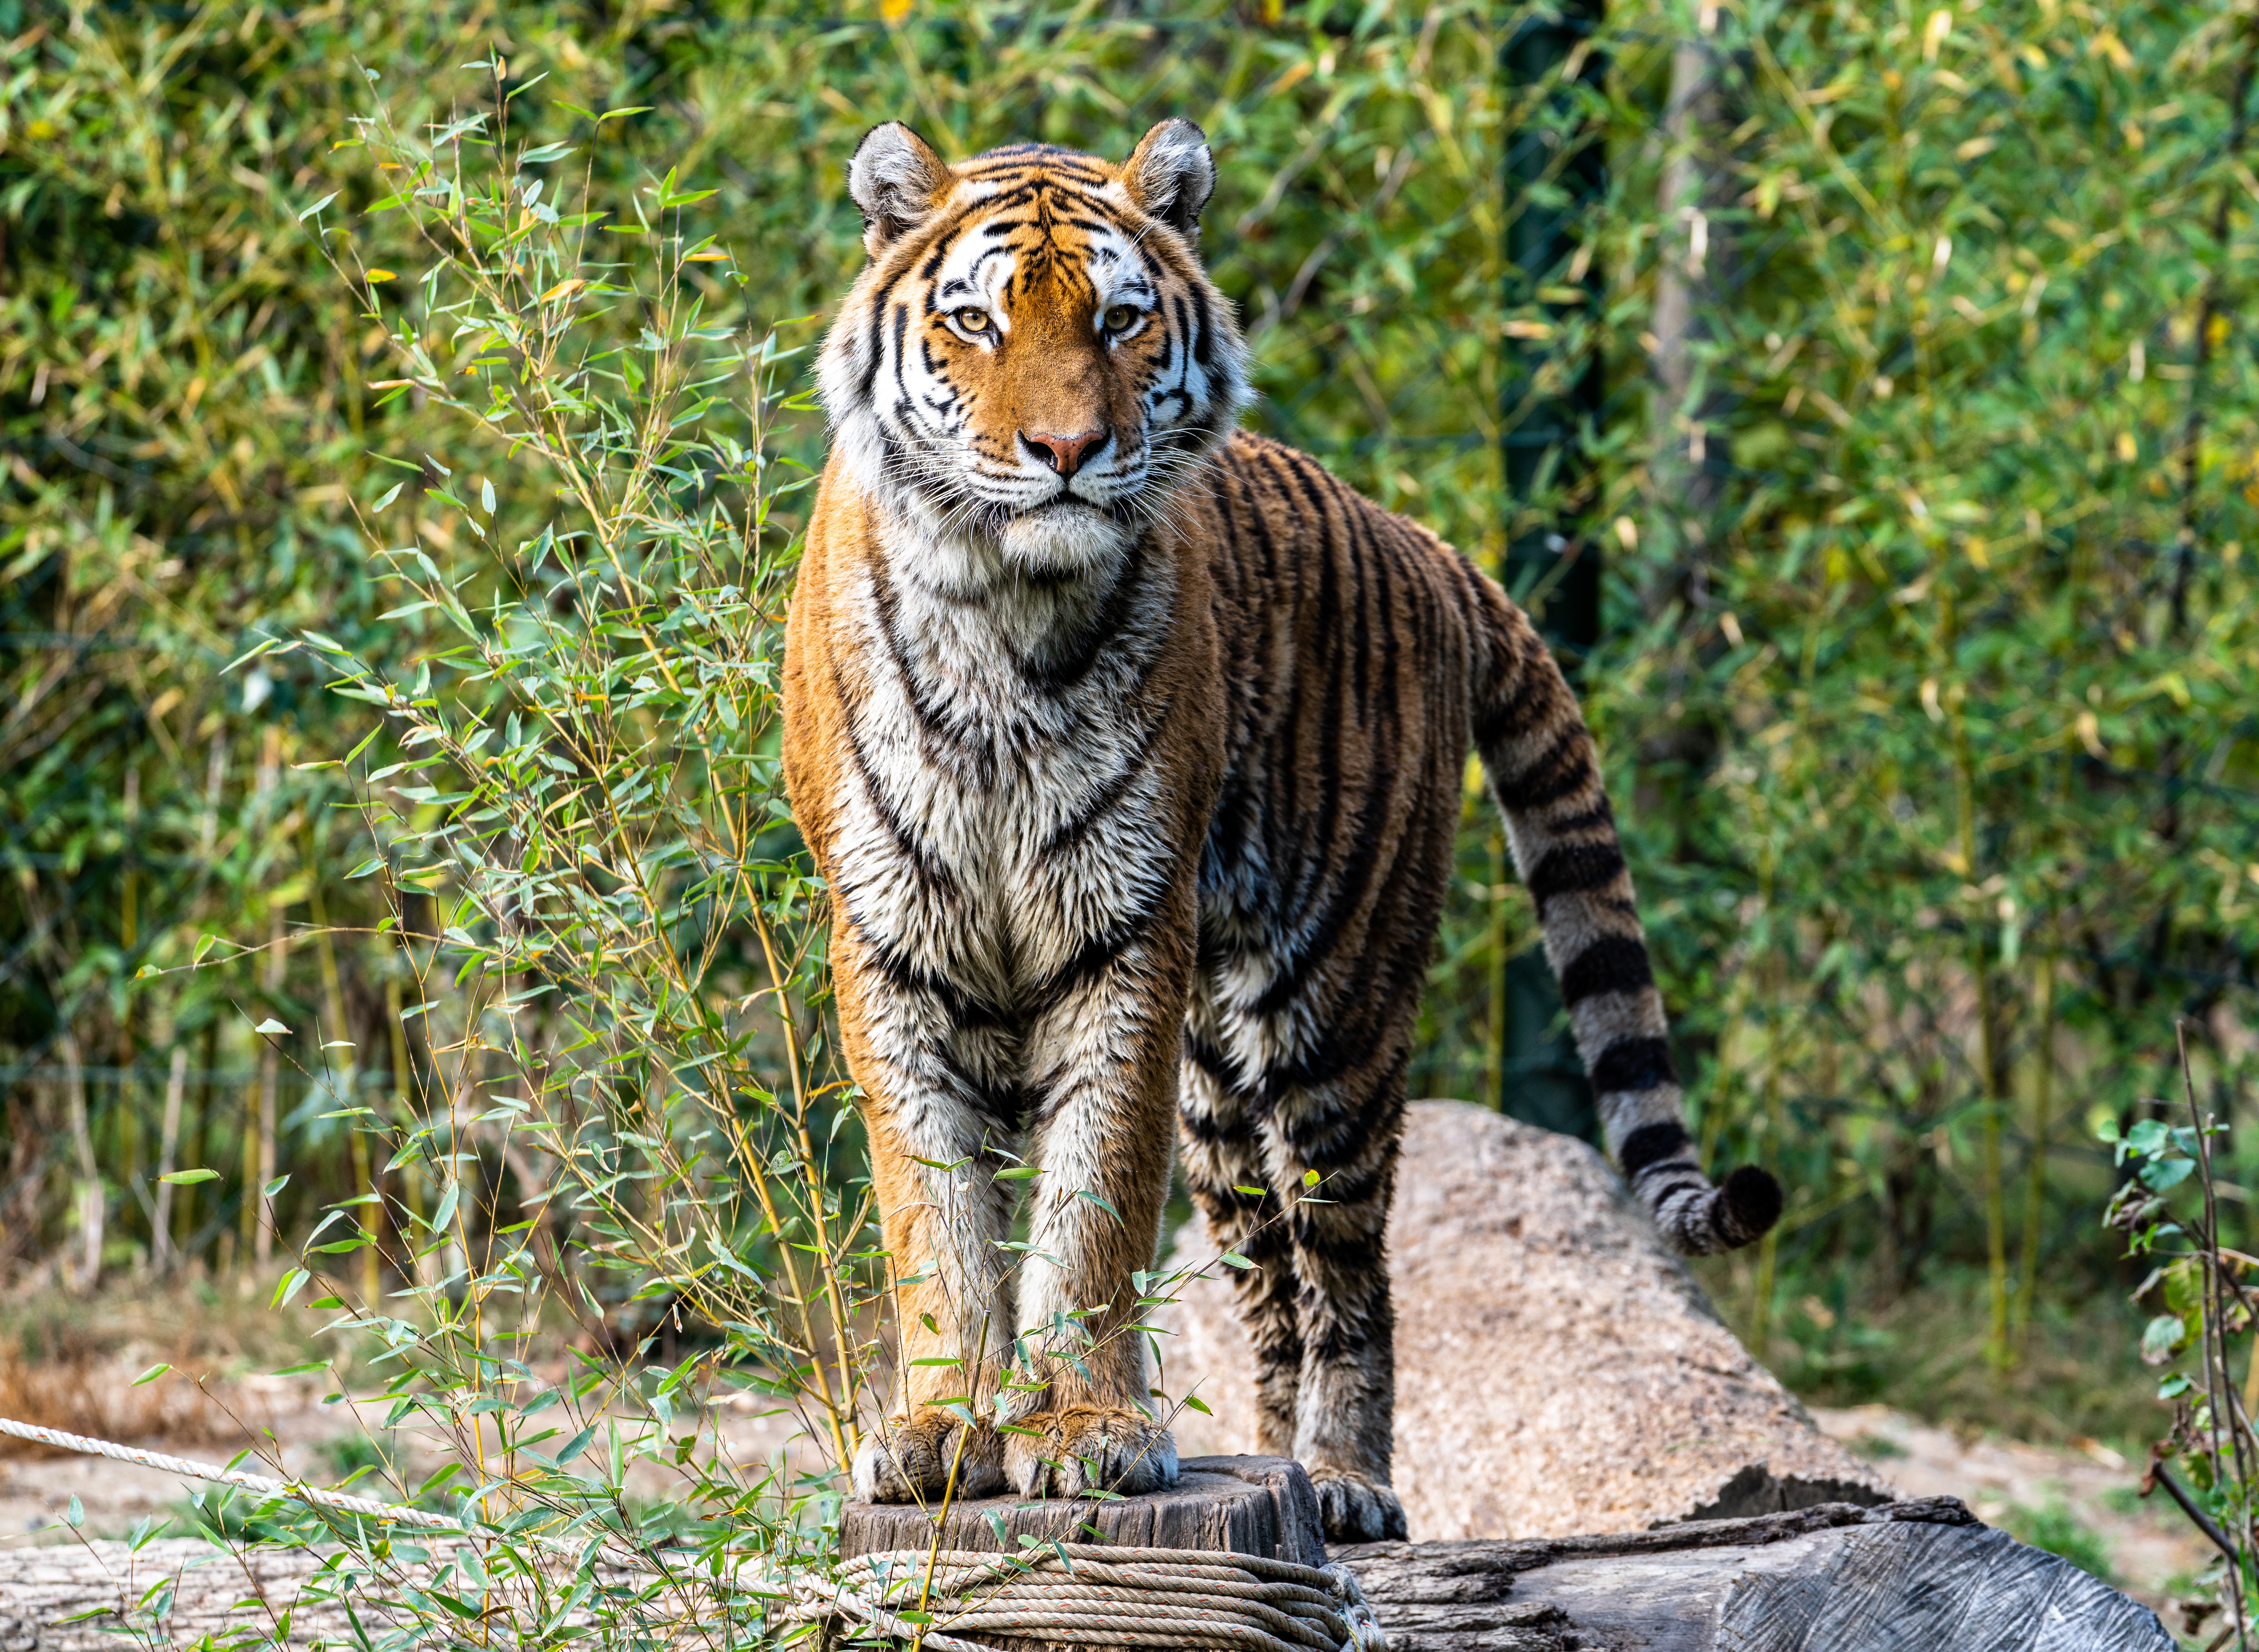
x=1132 y=750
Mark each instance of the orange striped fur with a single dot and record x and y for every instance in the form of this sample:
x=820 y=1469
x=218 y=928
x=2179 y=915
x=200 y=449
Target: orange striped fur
x=1129 y=745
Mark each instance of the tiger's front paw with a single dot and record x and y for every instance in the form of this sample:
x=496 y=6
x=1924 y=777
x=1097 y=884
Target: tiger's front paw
x=905 y=1458
x=1081 y=1449
x=1355 y=1508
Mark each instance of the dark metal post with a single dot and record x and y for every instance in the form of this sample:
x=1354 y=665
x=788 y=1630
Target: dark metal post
x=1553 y=171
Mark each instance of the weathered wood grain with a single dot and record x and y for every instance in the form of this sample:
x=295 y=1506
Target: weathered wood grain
x=1923 y=1576
x=1246 y=1504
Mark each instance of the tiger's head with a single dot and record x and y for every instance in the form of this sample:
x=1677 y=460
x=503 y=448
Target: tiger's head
x=1033 y=361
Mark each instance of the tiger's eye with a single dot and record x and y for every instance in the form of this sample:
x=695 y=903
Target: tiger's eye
x=972 y=320
x=1121 y=319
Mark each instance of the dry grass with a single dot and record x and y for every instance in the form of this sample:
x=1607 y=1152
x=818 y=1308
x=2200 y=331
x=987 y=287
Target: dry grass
x=71 y=1363
x=99 y=1397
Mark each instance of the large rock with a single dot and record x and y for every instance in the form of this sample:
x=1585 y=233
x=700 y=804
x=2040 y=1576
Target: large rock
x=1557 y=1371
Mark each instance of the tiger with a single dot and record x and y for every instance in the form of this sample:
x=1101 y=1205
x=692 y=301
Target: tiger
x=1130 y=746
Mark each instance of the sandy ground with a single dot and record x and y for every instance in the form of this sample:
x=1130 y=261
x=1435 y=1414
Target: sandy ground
x=2148 y=1547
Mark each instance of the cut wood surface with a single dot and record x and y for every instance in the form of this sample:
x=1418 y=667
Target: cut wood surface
x=1840 y=1578
x=1557 y=1369
x=1247 y=1505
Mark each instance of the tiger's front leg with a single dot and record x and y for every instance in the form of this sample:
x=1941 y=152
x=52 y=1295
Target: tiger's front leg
x=933 y=1109
x=1102 y=1069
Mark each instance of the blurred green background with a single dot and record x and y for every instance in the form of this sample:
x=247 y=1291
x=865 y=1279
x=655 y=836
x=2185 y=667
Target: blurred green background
x=1864 y=397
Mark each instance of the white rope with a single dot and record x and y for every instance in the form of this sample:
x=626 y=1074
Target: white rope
x=295 y=1490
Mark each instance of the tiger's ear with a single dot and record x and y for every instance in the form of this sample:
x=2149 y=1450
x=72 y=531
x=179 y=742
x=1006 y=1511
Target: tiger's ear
x=1170 y=175
x=895 y=181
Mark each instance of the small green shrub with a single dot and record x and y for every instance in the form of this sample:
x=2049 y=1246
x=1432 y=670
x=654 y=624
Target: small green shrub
x=2054 y=1527
x=2123 y=1500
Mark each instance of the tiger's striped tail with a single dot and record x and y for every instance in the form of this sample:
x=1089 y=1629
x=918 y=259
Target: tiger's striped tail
x=1542 y=770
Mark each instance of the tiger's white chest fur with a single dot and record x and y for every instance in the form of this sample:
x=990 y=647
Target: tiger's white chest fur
x=1001 y=813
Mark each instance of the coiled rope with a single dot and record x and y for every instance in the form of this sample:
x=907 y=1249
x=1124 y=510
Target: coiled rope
x=1069 y=1594
x=1100 y=1594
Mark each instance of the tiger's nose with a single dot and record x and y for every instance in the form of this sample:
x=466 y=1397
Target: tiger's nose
x=1064 y=454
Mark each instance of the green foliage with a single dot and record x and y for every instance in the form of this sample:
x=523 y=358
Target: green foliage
x=590 y=882
x=2054 y=1527
x=2169 y=1210
x=1926 y=529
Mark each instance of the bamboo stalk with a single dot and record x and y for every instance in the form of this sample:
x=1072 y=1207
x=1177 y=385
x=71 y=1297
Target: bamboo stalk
x=125 y=1100
x=347 y=1088
x=262 y=1147
x=260 y=1151
x=2036 y=1188
x=161 y=1238
x=411 y=1175
x=91 y=1204
x=201 y=1130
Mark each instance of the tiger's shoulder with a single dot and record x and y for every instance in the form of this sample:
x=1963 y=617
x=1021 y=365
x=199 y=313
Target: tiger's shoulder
x=1269 y=515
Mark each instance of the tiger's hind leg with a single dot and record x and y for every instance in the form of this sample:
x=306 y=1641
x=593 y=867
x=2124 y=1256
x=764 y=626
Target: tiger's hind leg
x=1315 y=1305
x=1346 y=1403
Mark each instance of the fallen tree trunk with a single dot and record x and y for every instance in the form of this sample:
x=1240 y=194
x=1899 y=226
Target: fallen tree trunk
x=1836 y=1578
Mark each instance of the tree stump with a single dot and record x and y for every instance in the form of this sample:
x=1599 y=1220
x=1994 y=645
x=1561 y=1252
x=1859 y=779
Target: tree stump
x=1244 y=1506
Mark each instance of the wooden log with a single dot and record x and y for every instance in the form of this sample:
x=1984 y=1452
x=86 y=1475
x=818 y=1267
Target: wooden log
x=214 y=1593
x=1557 y=1369
x=1922 y=1574
x=1242 y=1505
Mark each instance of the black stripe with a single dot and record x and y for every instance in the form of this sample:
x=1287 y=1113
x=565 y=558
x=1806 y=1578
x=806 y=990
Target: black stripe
x=1574 y=869
x=931 y=722
x=1649 y=1145
x=942 y=242
x=1202 y=348
x=1205 y=1055
x=1564 y=770
x=967 y=1011
x=1352 y=1252
x=1632 y=1064
x=1612 y=963
x=921 y=859
x=1007 y=1105
x=1330 y=1142
x=875 y=346
x=1073 y=831
x=1105 y=626
x=1094 y=957
x=1526 y=702
x=1591 y=820
x=1210 y=1133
